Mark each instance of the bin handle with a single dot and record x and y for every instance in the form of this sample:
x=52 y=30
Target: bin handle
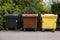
x=16 y=20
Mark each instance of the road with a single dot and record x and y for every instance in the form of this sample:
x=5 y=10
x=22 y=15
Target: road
x=16 y=35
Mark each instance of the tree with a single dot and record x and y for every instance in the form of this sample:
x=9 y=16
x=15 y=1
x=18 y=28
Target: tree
x=46 y=9
x=29 y=6
x=19 y=7
x=55 y=8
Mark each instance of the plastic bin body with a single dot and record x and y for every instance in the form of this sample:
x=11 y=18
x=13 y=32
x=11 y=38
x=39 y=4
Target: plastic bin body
x=11 y=20
x=49 y=21
x=30 y=21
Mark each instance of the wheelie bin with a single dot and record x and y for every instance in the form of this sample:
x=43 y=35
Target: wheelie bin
x=29 y=21
x=11 y=21
x=49 y=21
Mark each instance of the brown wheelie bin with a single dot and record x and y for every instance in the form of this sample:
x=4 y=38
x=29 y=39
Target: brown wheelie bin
x=30 y=21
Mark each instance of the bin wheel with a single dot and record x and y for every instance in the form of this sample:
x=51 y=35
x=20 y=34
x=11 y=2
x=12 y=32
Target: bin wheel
x=16 y=28
x=21 y=29
x=24 y=29
x=34 y=29
x=42 y=29
x=7 y=29
x=53 y=30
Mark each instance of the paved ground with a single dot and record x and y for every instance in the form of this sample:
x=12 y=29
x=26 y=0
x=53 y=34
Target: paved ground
x=13 y=35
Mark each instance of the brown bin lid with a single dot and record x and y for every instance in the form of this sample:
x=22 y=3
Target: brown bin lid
x=32 y=15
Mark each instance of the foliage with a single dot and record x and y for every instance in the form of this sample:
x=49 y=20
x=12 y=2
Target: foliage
x=29 y=6
x=1 y=22
x=56 y=8
x=46 y=9
x=19 y=7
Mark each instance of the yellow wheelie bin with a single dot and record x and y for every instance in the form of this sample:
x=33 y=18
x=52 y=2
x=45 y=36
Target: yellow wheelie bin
x=49 y=21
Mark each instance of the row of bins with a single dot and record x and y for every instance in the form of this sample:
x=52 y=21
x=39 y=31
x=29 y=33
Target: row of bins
x=30 y=21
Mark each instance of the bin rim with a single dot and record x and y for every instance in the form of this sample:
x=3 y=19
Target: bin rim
x=11 y=15
x=49 y=15
x=29 y=15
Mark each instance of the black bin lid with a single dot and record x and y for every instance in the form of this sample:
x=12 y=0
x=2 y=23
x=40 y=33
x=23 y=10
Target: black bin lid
x=11 y=15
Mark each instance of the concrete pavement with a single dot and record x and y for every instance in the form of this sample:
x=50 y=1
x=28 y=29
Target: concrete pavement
x=13 y=35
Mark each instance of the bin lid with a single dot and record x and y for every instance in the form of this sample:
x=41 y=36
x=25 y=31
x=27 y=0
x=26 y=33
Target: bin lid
x=48 y=15
x=11 y=15
x=32 y=15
